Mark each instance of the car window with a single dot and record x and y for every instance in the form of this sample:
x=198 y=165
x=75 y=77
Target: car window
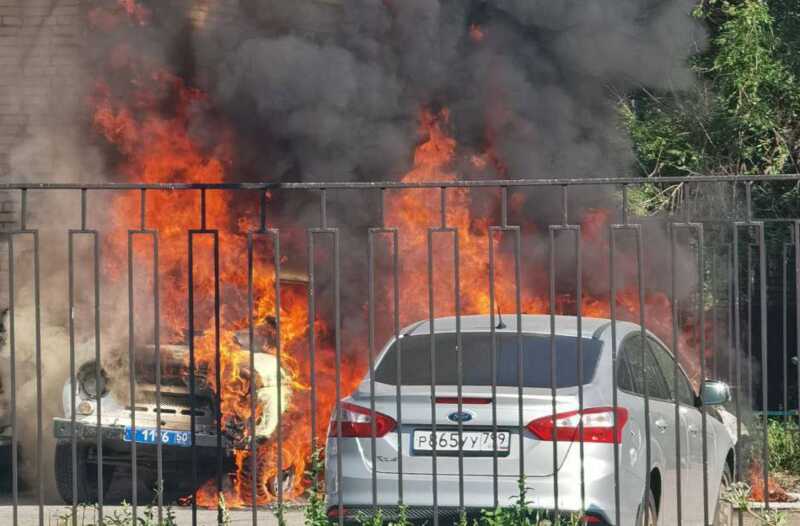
x=667 y=364
x=653 y=379
x=624 y=378
x=477 y=360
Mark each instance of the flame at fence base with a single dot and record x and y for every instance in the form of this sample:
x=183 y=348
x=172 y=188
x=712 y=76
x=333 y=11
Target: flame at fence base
x=756 y=481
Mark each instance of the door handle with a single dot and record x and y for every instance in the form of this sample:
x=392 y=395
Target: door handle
x=693 y=429
x=661 y=424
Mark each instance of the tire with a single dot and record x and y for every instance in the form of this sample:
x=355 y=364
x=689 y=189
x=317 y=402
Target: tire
x=724 y=513
x=86 y=476
x=648 y=516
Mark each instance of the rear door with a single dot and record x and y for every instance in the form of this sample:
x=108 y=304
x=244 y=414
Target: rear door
x=646 y=375
x=689 y=510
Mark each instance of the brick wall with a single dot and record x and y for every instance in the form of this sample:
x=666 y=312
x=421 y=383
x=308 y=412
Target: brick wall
x=40 y=45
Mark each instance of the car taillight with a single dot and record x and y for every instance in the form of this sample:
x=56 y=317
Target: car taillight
x=357 y=422
x=598 y=426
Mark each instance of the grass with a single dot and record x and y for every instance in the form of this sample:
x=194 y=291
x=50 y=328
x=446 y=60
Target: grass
x=738 y=495
x=783 y=440
x=122 y=517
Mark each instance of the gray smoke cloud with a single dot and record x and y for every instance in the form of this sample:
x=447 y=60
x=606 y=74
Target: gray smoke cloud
x=341 y=100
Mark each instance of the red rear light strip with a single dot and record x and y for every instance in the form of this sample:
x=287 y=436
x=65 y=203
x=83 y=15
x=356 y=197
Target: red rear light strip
x=383 y=424
x=543 y=428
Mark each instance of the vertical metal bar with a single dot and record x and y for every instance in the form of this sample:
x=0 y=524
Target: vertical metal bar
x=13 y=386
x=38 y=355
x=192 y=378
x=399 y=360
x=676 y=372
x=553 y=367
x=253 y=446
x=714 y=314
x=750 y=286
x=579 y=315
x=762 y=263
x=576 y=231
x=72 y=378
x=701 y=314
x=312 y=343
x=647 y=432
x=797 y=307
x=98 y=379
x=737 y=393
x=218 y=372
x=785 y=329
x=505 y=228
x=334 y=233
x=252 y=390
x=276 y=263
x=371 y=361
x=72 y=234
x=337 y=286
x=373 y=232
x=132 y=380
x=520 y=348
x=432 y=337
x=460 y=367
x=493 y=368
x=614 y=394
x=157 y=343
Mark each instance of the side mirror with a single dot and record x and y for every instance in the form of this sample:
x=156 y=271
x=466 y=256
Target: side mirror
x=715 y=393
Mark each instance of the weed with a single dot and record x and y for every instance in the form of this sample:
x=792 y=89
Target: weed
x=315 y=512
x=738 y=495
x=783 y=439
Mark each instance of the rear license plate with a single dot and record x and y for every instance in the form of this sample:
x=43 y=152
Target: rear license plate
x=471 y=441
x=149 y=436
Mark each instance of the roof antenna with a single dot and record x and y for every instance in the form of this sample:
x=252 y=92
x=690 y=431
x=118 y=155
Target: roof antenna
x=500 y=325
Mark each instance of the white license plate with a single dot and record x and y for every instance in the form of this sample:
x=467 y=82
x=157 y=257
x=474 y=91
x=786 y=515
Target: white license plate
x=471 y=441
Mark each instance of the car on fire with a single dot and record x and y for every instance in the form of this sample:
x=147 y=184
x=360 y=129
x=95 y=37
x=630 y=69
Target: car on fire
x=561 y=439
x=99 y=389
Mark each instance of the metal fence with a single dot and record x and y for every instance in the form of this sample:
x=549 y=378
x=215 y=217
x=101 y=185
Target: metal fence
x=732 y=314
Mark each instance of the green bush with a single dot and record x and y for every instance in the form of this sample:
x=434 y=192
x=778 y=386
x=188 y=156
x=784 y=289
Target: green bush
x=783 y=439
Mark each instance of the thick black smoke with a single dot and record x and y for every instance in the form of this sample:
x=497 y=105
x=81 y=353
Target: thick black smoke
x=332 y=90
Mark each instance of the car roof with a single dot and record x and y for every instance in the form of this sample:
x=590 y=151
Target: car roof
x=531 y=324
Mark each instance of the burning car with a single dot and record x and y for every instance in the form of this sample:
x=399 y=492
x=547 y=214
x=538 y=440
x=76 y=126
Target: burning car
x=102 y=406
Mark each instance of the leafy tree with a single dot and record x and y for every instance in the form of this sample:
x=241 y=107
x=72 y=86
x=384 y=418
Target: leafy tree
x=741 y=117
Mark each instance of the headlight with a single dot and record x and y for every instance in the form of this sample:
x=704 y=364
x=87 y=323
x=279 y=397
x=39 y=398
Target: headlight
x=88 y=380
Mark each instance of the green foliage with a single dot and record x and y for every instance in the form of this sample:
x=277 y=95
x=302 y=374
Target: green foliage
x=87 y=515
x=741 y=117
x=522 y=513
x=377 y=519
x=783 y=439
x=738 y=495
x=315 y=512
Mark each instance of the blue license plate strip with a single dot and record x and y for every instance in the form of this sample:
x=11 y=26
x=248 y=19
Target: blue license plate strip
x=146 y=435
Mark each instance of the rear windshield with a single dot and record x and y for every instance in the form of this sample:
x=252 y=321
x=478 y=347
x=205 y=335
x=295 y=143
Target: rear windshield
x=477 y=360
